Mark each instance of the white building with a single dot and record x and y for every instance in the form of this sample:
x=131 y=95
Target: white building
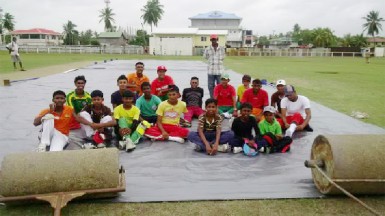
x=217 y=20
x=38 y=36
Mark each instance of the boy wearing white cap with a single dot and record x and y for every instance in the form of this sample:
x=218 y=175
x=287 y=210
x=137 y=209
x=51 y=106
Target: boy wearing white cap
x=295 y=112
x=278 y=96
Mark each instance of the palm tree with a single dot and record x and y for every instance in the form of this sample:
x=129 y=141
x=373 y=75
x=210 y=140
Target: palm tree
x=69 y=33
x=323 y=37
x=8 y=22
x=372 y=24
x=106 y=16
x=152 y=12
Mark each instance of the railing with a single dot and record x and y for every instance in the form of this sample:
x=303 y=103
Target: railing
x=291 y=53
x=82 y=49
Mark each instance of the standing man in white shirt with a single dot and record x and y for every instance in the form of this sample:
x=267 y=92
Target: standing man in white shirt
x=13 y=49
x=215 y=55
x=295 y=111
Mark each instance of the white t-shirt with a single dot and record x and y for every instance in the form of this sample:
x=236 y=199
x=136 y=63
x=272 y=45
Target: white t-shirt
x=14 y=47
x=299 y=106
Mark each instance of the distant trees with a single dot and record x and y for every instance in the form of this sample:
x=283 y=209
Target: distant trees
x=7 y=22
x=107 y=16
x=70 y=33
x=373 y=23
x=152 y=12
x=141 y=38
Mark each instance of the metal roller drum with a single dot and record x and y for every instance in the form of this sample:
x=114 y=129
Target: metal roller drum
x=40 y=173
x=354 y=162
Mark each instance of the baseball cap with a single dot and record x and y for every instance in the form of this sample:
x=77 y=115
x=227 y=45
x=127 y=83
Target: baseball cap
x=280 y=82
x=161 y=67
x=269 y=109
x=213 y=36
x=289 y=89
x=225 y=76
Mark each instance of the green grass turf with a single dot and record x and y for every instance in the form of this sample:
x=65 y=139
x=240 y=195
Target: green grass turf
x=330 y=206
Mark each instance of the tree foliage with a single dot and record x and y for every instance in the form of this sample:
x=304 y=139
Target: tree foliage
x=71 y=35
x=8 y=22
x=373 y=23
x=107 y=16
x=152 y=12
x=141 y=38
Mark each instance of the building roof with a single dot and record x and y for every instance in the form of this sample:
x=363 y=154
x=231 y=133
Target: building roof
x=175 y=31
x=111 y=35
x=210 y=32
x=216 y=15
x=375 y=39
x=35 y=31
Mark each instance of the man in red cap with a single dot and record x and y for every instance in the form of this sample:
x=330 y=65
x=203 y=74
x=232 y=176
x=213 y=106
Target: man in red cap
x=215 y=55
x=159 y=86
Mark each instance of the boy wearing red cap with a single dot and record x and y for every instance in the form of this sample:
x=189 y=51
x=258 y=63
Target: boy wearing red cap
x=159 y=86
x=215 y=55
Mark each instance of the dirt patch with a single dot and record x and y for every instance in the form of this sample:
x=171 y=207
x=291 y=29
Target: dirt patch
x=40 y=72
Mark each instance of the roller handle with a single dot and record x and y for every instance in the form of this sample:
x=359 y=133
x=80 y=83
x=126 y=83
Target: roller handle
x=314 y=163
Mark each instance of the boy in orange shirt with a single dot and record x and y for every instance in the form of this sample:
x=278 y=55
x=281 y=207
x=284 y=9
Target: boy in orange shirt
x=55 y=123
x=136 y=79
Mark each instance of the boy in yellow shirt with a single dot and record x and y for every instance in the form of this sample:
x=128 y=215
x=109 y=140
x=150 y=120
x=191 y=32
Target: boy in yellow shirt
x=167 y=126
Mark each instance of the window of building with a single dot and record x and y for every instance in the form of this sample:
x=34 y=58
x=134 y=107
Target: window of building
x=203 y=38
x=34 y=36
x=24 y=36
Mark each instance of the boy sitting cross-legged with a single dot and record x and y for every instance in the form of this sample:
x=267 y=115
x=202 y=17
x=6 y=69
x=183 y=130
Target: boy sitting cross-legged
x=243 y=127
x=130 y=128
x=97 y=122
x=272 y=133
x=148 y=104
x=209 y=137
x=169 y=112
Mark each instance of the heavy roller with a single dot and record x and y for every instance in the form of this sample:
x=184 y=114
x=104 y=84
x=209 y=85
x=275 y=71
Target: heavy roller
x=59 y=177
x=348 y=164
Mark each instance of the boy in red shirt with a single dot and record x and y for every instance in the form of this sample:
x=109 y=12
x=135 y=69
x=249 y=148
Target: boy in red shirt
x=225 y=94
x=159 y=86
x=257 y=97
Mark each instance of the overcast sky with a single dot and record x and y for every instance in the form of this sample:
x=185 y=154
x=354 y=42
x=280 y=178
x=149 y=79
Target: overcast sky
x=262 y=16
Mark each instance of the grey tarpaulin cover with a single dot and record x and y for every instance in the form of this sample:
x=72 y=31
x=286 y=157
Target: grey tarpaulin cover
x=167 y=171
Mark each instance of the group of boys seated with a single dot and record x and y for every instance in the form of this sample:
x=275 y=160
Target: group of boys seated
x=154 y=110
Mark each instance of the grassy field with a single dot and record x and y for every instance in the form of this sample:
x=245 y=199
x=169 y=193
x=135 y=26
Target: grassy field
x=343 y=84
x=332 y=206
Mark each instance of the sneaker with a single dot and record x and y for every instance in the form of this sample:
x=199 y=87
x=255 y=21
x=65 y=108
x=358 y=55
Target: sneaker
x=129 y=145
x=176 y=139
x=262 y=149
x=122 y=145
x=223 y=148
x=41 y=147
x=101 y=145
x=198 y=148
x=237 y=150
x=88 y=145
x=308 y=128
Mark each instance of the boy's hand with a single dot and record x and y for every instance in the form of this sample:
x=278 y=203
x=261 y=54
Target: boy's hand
x=208 y=150
x=165 y=135
x=235 y=113
x=52 y=107
x=124 y=131
x=299 y=127
x=94 y=126
x=214 y=150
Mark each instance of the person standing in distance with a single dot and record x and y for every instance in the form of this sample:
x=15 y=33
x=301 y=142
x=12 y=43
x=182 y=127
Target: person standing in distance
x=215 y=55
x=13 y=49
